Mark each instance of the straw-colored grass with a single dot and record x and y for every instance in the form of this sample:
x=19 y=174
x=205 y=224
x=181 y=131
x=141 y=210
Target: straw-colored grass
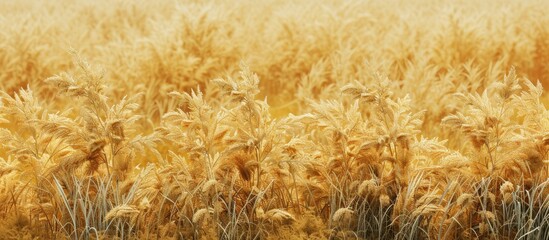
x=274 y=119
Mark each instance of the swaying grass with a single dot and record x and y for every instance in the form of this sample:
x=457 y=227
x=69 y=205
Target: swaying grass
x=274 y=119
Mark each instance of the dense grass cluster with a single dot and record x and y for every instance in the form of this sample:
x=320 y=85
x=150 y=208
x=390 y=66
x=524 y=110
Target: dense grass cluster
x=274 y=119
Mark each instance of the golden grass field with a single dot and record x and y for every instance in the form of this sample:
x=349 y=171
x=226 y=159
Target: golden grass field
x=272 y=119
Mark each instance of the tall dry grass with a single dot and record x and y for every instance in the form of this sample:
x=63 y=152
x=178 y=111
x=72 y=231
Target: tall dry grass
x=274 y=119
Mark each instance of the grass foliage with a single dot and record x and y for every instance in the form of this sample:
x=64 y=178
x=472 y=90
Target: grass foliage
x=274 y=119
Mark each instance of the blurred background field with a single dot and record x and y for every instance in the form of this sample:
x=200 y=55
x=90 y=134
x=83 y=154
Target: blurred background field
x=299 y=49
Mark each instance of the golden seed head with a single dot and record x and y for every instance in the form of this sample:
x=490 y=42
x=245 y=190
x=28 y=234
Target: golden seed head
x=367 y=187
x=465 y=199
x=487 y=215
x=201 y=215
x=121 y=211
x=343 y=215
x=507 y=187
x=209 y=187
x=384 y=200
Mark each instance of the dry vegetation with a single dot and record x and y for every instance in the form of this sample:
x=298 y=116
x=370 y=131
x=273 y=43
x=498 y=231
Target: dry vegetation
x=274 y=119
